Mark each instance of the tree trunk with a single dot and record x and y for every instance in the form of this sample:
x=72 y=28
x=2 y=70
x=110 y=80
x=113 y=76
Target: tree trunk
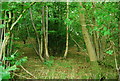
x=1 y=32
x=67 y=28
x=4 y=39
x=102 y=47
x=37 y=36
x=41 y=42
x=96 y=35
x=96 y=41
x=119 y=30
x=44 y=35
x=90 y=48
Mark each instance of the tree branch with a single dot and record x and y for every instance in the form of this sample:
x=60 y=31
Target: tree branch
x=19 y=17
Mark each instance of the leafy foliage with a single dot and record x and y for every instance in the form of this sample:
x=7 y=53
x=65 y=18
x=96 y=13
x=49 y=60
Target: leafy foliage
x=5 y=73
x=49 y=62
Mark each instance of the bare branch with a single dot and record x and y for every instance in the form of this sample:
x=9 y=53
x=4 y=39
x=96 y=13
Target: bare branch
x=27 y=71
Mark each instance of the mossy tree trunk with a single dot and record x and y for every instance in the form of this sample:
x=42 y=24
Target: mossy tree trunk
x=88 y=42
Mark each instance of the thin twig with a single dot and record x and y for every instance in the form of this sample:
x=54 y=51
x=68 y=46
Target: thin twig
x=15 y=52
x=109 y=48
x=76 y=42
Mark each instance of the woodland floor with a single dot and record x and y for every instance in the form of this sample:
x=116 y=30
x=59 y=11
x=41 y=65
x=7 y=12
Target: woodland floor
x=75 y=66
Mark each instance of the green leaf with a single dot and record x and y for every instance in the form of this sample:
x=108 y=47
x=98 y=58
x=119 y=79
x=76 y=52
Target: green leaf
x=2 y=25
x=16 y=38
x=5 y=5
x=107 y=32
x=27 y=5
x=8 y=58
x=7 y=34
x=24 y=59
x=19 y=62
x=96 y=28
x=52 y=31
x=38 y=25
x=6 y=75
x=11 y=68
x=105 y=28
x=5 y=72
x=110 y=52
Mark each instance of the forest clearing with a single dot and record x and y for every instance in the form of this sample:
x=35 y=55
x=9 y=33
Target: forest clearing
x=60 y=40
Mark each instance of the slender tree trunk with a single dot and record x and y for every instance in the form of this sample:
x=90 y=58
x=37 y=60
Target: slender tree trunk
x=119 y=41
x=11 y=43
x=9 y=48
x=4 y=39
x=37 y=36
x=90 y=48
x=119 y=30
x=67 y=28
x=96 y=41
x=96 y=36
x=47 y=26
x=1 y=32
x=102 y=47
x=44 y=34
x=41 y=42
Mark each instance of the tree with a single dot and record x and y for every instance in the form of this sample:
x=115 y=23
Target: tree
x=37 y=37
x=45 y=34
x=90 y=48
x=67 y=28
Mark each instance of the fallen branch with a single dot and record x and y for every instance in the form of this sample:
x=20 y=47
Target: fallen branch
x=27 y=71
x=21 y=76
